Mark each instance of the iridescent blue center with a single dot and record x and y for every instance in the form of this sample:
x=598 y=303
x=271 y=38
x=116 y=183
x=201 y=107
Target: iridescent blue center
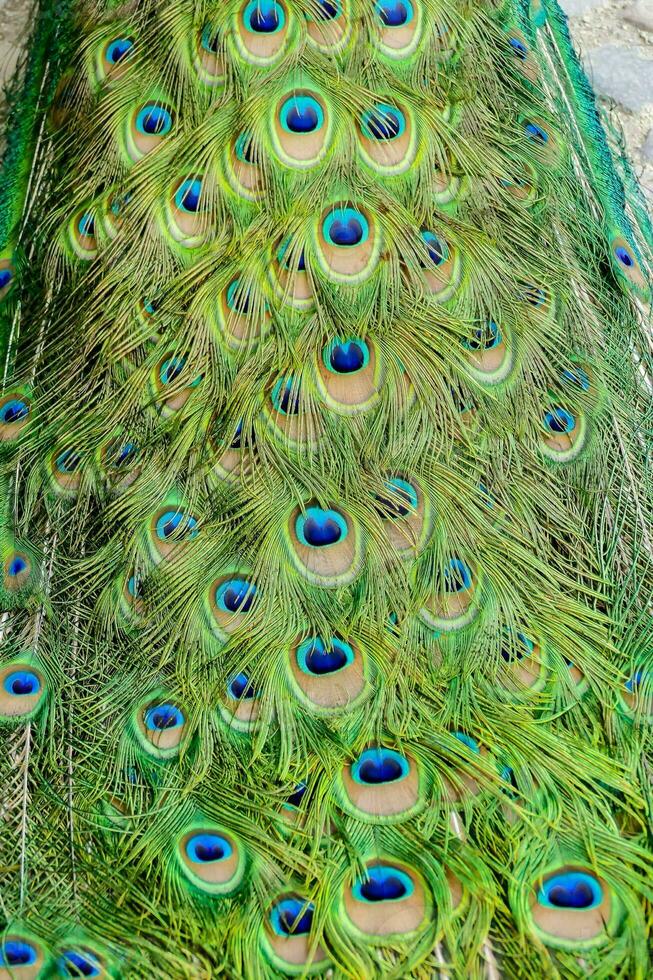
x=285 y=396
x=319 y=656
x=485 y=338
x=345 y=227
x=86 y=225
x=436 y=250
x=206 y=848
x=457 y=576
x=349 y=356
x=320 y=528
x=577 y=377
x=573 y=890
x=383 y=883
x=624 y=256
x=17 y=952
x=236 y=595
x=14 y=410
x=241 y=688
x=154 y=120
x=117 y=49
x=16 y=566
x=559 y=420
x=264 y=16
x=162 y=717
x=210 y=39
x=302 y=114
x=536 y=133
x=297 y=795
x=73 y=963
x=467 y=740
x=519 y=48
x=187 y=196
x=244 y=149
x=383 y=122
x=67 y=461
x=377 y=766
x=400 y=501
x=176 y=523
x=22 y=683
x=238 y=298
x=6 y=275
x=327 y=10
x=394 y=13
x=292 y=917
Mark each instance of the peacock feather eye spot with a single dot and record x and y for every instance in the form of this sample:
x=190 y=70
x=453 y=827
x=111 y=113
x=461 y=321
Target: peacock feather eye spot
x=210 y=39
x=171 y=369
x=6 y=275
x=519 y=48
x=467 y=740
x=301 y=114
x=17 y=952
x=292 y=917
x=536 y=133
x=68 y=461
x=383 y=122
x=14 y=410
x=73 y=963
x=244 y=149
x=534 y=295
x=436 y=249
x=86 y=225
x=297 y=795
x=122 y=455
x=401 y=500
x=264 y=17
x=319 y=656
x=559 y=421
x=22 y=683
x=457 y=576
x=238 y=298
x=237 y=441
x=348 y=356
x=345 y=227
x=206 y=848
x=320 y=528
x=285 y=396
x=633 y=683
x=394 y=13
x=484 y=338
x=17 y=564
x=624 y=256
x=240 y=688
x=383 y=883
x=289 y=259
x=154 y=120
x=576 y=377
x=177 y=524
x=118 y=49
x=236 y=595
x=573 y=890
x=188 y=195
x=326 y=10
x=163 y=717
x=379 y=766
x=135 y=587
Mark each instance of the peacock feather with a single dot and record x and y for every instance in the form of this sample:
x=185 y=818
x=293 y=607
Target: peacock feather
x=325 y=498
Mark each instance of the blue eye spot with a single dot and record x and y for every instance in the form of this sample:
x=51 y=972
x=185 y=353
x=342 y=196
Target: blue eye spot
x=244 y=149
x=22 y=683
x=118 y=49
x=345 y=227
x=285 y=396
x=559 y=421
x=67 y=461
x=205 y=848
x=240 y=688
x=302 y=114
x=519 y=48
x=634 y=682
x=319 y=528
x=123 y=454
x=536 y=134
x=236 y=595
x=6 y=275
x=134 y=587
x=163 y=717
x=75 y=964
x=319 y=656
x=383 y=883
x=297 y=795
x=401 y=501
x=171 y=369
x=292 y=917
x=289 y=258
x=176 y=523
x=17 y=952
x=485 y=338
x=383 y=122
x=16 y=566
x=326 y=10
x=457 y=576
x=264 y=17
x=154 y=120
x=624 y=256
x=14 y=410
x=576 y=377
x=238 y=298
x=467 y=740
x=394 y=13
x=210 y=39
x=436 y=249
x=571 y=890
x=348 y=356
x=187 y=195
x=375 y=767
x=86 y=225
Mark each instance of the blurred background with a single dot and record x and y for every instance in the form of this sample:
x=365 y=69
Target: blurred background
x=614 y=38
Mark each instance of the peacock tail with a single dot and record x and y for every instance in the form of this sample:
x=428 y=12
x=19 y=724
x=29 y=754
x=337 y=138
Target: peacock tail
x=325 y=498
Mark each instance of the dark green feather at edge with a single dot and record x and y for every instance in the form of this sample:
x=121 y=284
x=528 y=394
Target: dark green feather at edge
x=54 y=890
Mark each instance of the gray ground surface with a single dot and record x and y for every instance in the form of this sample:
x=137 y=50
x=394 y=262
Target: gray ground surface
x=614 y=37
